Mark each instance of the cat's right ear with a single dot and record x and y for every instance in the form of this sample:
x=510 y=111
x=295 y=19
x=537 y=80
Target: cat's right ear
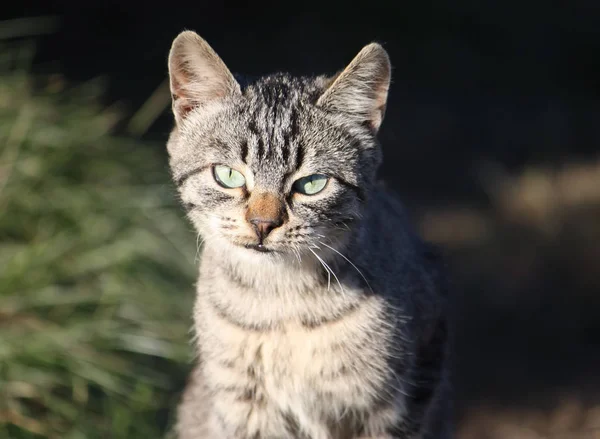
x=361 y=90
x=197 y=75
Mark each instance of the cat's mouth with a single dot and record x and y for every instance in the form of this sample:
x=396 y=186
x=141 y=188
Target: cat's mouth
x=259 y=248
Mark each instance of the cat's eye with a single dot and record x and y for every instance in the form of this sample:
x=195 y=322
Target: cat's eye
x=227 y=177
x=311 y=185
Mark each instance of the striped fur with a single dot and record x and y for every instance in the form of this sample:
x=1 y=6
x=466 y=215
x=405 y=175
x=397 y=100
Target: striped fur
x=337 y=328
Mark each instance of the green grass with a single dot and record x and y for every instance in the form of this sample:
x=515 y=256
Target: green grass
x=96 y=268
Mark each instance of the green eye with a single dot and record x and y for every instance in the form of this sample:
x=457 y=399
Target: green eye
x=311 y=185
x=228 y=178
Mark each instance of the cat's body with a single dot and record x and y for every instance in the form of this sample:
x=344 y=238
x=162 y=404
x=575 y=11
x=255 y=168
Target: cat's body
x=319 y=313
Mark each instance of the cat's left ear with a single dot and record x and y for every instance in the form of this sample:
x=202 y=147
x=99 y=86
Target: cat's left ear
x=361 y=89
x=197 y=75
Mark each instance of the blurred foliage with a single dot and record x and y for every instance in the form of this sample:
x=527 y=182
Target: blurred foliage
x=96 y=267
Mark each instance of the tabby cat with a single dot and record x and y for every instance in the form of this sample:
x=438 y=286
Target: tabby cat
x=319 y=312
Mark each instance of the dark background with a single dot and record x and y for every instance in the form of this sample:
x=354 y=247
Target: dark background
x=515 y=83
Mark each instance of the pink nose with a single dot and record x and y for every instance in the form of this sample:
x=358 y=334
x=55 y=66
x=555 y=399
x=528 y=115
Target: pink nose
x=263 y=226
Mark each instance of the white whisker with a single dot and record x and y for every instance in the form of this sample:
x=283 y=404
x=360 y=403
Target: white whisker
x=329 y=268
x=298 y=255
x=198 y=244
x=351 y=263
x=325 y=267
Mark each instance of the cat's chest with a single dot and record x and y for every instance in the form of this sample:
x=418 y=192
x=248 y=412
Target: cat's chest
x=298 y=369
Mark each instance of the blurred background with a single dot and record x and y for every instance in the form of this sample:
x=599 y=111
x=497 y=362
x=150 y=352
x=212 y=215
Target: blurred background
x=492 y=138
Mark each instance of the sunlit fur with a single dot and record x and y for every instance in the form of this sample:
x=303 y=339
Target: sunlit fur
x=338 y=330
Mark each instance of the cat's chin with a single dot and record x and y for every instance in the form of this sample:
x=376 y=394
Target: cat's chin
x=249 y=252
x=259 y=248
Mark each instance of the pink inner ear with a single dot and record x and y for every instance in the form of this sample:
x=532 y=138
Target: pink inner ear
x=198 y=75
x=183 y=106
x=182 y=102
x=179 y=80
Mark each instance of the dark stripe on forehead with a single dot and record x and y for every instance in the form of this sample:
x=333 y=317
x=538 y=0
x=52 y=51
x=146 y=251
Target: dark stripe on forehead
x=244 y=151
x=299 y=156
x=260 y=147
x=253 y=128
x=294 y=126
x=279 y=101
x=255 y=133
x=288 y=133
x=274 y=122
x=276 y=102
x=290 y=138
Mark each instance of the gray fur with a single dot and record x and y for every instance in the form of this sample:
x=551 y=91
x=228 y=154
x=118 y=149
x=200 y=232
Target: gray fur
x=340 y=330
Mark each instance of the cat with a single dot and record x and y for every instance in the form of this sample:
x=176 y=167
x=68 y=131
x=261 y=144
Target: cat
x=319 y=314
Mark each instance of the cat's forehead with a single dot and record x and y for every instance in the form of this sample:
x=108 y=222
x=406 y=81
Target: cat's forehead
x=276 y=116
x=274 y=110
x=283 y=89
x=278 y=106
x=276 y=129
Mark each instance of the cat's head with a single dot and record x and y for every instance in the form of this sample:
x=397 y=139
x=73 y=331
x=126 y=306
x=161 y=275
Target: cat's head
x=281 y=165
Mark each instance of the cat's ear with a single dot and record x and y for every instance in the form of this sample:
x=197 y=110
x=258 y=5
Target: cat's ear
x=361 y=89
x=197 y=75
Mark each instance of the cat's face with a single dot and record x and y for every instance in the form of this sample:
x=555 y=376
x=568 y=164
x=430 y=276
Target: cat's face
x=282 y=166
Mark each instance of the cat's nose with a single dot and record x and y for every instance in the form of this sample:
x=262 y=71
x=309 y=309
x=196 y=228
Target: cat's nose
x=263 y=226
x=266 y=212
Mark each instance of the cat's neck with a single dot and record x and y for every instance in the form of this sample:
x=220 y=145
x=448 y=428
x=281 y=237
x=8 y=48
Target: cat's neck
x=265 y=272
x=265 y=292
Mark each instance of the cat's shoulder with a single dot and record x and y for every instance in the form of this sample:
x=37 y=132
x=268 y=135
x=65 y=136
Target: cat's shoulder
x=388 y=203
x=388 y=206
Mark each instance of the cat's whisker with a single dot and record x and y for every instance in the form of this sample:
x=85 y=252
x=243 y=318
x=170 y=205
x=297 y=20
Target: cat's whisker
x=198 y=244
x=399 y=385
x=351 y=263
x=203 y=240
x=298 y=255
x=324 y=266
x=332 y=272
x=346 y=225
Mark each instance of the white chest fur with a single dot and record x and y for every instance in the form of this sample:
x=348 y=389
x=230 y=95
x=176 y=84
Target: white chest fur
x=271 y=381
